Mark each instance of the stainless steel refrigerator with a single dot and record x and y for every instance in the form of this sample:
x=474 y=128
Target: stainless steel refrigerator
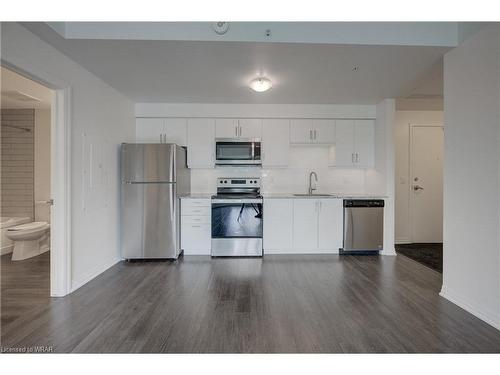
x=153 y=176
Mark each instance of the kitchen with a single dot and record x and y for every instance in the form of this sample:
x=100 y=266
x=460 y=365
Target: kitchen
x=250 y=215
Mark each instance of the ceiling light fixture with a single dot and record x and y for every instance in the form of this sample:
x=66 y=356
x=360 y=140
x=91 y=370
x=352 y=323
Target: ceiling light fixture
x=261 y=84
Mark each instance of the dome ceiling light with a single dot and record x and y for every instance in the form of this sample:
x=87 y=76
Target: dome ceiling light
x=261 y=84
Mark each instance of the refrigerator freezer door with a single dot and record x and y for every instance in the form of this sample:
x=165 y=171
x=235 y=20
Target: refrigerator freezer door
x=149 y=221
x=148 y=162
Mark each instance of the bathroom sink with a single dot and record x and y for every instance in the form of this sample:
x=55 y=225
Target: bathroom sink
x=313 y=195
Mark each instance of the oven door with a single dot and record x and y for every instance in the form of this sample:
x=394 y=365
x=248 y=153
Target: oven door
x=243 y=152
x=237 y=227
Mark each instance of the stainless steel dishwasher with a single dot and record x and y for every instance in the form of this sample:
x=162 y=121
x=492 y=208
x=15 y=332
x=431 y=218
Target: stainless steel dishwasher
x=363 y=225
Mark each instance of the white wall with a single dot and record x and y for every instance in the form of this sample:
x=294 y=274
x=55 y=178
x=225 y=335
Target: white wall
x=42 y=164
x=404 y=120
x=471 y=269
x=100 y=117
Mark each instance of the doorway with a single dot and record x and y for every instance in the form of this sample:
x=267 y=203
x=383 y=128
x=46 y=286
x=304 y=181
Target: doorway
x=59 y=181
x=424 y=195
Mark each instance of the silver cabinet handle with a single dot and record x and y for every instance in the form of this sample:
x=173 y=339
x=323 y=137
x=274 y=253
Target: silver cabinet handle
x=240 y=130
x=195 y=226
x=161 y=138
x=236 y=131
x=357 y=157
x=352 y=157
x=310 y=134
x=314 y=134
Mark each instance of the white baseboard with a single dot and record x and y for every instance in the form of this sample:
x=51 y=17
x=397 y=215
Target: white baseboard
x=299 y=251
x=401 y=241
x=79 y=281
x=391 y=252
x=489 y=317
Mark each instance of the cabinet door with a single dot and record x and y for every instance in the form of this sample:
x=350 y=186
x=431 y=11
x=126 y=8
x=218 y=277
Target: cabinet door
x=301 y=131
x=324 y=131
x=201 y=143
x=330 y=224
x=278 y=223
x=364 y=143
x=196 y=238
x=176 y=131
x=149 y=130
x=275 y=143
x=344 y=143
x=226 y=128
x=250 y=128
x=305 y=224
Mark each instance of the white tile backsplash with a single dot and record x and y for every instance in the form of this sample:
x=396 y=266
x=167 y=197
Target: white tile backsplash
x=294 y=179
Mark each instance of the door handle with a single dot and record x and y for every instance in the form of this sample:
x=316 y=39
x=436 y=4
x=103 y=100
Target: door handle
x=417 y=188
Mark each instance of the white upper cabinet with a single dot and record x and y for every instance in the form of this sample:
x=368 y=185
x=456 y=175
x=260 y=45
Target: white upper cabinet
x=149 y=130
x=324 y=131
x=275 y=143
x=250 y=128
x=226 y=128
x=201 y=143
x=307 y=131
x=161 y=130
x=301 y=131
x=364 y=143
x=354 y=143
x=238 y=128
x=176 y=131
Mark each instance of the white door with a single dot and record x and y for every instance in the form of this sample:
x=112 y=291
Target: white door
x=344 y=143
x=426 y=184
x=330 y=224
x=305 y=224
x=278 y=224
x=227 y=128
x=324 y=131
x=301 y=131
x=149 y=130
x=201 y=143
x=275 y=143
x=250 y=128
x=364 y=143
x=176 y=131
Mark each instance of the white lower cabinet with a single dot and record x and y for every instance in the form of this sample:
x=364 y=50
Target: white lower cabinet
x=302 y=226
x=278 y=222
x=196 y=224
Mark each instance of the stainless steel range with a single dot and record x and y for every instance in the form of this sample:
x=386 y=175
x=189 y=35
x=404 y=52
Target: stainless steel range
x=237 y=217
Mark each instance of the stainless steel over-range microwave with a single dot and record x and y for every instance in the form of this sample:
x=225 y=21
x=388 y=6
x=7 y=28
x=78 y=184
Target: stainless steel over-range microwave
x=237 y=151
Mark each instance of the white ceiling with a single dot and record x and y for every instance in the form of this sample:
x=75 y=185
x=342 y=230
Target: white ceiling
x=20 y=92
x=219 y=72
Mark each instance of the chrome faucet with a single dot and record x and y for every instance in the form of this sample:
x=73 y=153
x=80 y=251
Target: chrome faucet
x=310 y=181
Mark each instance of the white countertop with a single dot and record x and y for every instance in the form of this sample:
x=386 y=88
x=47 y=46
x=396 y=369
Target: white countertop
x=291 y=195
x=331 y=196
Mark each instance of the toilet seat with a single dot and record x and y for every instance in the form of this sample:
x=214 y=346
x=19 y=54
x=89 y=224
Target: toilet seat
x=36 y=225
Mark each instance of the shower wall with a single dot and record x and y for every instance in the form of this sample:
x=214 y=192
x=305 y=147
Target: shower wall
x=17 y=163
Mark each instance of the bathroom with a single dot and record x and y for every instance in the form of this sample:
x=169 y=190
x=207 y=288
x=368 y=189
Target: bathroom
x=25 y=174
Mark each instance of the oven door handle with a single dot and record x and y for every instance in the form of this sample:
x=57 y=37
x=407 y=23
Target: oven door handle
x=237 y=201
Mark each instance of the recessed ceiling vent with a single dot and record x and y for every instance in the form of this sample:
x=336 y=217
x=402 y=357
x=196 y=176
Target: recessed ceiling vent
x=19 y=96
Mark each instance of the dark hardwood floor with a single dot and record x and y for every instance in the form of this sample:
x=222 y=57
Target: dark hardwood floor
x=281 y=303
x=428 y=254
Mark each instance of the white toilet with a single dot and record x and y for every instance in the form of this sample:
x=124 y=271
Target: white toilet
x=30 y=239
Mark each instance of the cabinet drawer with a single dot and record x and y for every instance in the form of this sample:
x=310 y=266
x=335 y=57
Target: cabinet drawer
x=196 y=236
x=196 y=202
x=195 y=211
x=198 y=219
